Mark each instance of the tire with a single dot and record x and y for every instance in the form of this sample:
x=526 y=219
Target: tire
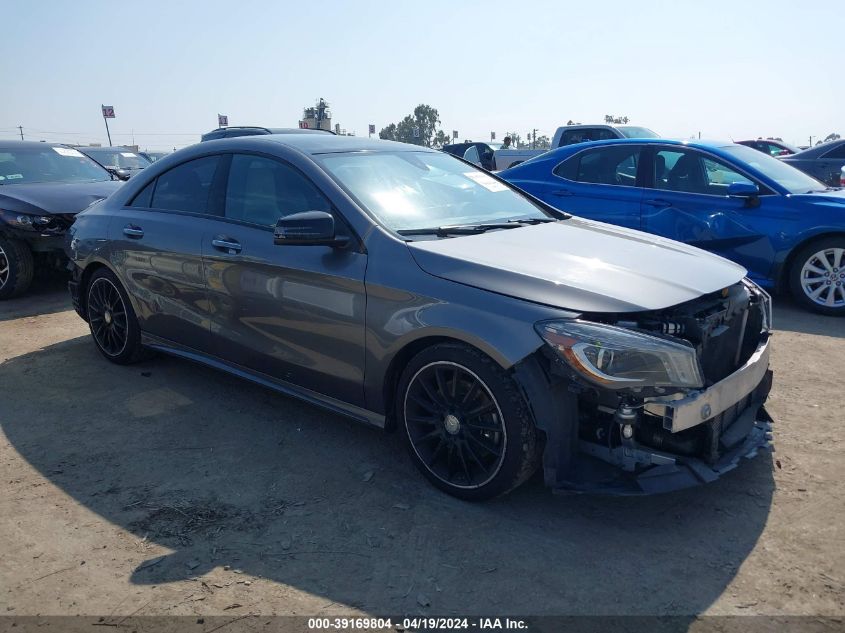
x=817 y=276
x=16 y=268
x=112 y=321
x=465 y=423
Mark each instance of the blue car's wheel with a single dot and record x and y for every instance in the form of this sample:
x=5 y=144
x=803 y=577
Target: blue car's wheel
x=817 y=278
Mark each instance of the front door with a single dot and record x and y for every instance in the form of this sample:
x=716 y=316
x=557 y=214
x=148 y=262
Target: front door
x=688 y=201
x=294 y=313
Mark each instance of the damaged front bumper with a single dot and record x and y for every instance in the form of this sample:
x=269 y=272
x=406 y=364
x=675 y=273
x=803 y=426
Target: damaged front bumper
x=658 y=471
x=729 y=418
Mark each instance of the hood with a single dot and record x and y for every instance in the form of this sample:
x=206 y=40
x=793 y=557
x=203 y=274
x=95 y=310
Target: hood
x=54 y=197
x=579 y=265
x=834 y=197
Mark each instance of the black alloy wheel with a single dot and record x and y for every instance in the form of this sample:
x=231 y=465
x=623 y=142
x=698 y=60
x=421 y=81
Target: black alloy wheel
x=455 y=425
x=466 y=423
x=112 y=320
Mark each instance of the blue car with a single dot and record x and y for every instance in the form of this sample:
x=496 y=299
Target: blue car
x=786 y=228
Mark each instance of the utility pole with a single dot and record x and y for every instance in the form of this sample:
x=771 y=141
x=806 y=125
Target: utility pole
x=811 y=140
x=20 y=127
x=534 y=139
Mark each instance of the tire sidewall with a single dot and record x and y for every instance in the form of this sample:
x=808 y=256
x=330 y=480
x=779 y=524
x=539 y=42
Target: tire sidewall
x=20 y=271
x=801 y=258
x=519 y=432
x=133 y=333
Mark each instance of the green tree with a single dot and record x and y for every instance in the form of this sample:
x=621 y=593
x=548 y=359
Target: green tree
x=424 y=117
x=615 y=120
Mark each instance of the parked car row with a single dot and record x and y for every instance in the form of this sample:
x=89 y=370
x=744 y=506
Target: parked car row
x=408 y=289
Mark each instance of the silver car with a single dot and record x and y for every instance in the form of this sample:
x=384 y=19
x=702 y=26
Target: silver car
x=407 y=289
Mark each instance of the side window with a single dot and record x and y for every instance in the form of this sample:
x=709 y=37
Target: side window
x=187 y=187
x=720 y=175
x=679 y=171
x=472 y=155
x=690 y=172
x=262 y=190
x=604 y=134
x=144 y=198
x=836 y=152
x=573 y=136
x=610 y=166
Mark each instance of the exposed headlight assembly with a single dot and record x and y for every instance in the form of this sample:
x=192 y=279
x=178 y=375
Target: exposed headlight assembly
x=26 y=221
x=617 y=358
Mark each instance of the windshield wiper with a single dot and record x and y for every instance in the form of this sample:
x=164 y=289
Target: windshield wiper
x=472 y=229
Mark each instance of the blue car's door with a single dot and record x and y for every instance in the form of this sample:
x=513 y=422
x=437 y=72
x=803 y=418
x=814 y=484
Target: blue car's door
x=687 y=200
x=598 y=183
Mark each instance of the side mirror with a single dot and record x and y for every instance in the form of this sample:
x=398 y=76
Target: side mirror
x=743 y=190
x=120 y=174
x=309 y=228
x=747 y=191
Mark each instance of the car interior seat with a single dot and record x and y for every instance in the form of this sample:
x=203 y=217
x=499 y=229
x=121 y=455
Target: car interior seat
x=686 y=175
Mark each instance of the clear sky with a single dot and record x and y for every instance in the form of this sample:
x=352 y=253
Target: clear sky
x=727 y=69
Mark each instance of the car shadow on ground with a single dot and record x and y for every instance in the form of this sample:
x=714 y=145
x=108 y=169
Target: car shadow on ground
x=226 y=473
x=790 y=316
x=47 y=295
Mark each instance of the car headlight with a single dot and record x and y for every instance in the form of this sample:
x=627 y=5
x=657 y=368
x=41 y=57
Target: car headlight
x=765 y=303
x=26 y=221
x=618 y=358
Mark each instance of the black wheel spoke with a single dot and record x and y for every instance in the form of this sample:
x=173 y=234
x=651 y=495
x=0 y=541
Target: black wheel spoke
x=480 y=410
x=490 y=449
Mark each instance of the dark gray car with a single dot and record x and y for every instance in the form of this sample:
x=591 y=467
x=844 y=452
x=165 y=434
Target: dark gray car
x=408 y=289
x=823 y=162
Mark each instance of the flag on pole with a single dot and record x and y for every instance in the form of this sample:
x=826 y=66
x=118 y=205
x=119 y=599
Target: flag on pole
x=372 y=128
x=222 y=120
x=108 y=112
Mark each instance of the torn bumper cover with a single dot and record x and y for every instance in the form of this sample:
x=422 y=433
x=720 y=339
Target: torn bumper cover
x=728 y=418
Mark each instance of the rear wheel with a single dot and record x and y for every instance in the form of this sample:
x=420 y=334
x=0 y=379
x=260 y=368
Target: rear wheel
x=467 y=426
x=112 y=320
x=817 y=277
x=16 y=268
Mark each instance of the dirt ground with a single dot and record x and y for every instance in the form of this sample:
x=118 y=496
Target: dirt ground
x=167 y=488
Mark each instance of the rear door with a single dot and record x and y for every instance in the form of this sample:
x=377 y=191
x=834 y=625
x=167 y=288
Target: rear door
x=157 y=249
x=687 y=200
x=294 y=313
x=599 y=183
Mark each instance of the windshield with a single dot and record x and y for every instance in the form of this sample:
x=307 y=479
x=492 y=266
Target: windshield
x=632 y=131
x=416 y=190
x=791 y=179
x=21 y=165
x=117 y=158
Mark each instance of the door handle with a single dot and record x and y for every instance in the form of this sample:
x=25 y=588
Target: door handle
x=131 y=230
x=561 y=192
x=658 y=203
x=226 y=244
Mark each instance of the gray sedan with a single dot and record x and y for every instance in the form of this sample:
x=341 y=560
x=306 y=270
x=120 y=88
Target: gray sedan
x=407 y=289
x=823 y=162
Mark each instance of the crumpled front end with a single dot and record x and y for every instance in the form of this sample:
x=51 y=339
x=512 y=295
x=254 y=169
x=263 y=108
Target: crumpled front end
x=642 y=435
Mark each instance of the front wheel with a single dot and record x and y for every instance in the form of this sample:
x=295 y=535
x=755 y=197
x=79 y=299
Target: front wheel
x=16 y=268
x=467 y=426
x=817 y=277
x=112 y=320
